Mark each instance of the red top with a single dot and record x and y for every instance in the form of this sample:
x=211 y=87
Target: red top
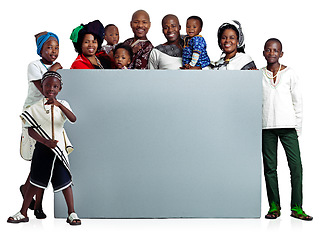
x=82 y=62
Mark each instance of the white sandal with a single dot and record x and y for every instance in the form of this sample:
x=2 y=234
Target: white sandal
x=73 y=219
x=17 y=218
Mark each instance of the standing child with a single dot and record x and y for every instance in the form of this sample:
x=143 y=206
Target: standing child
x=111 y=36
x=44 y=121
x=282 y=119
x=194 y=54
x=123 y=56
x=48 y=49
x=141 y=46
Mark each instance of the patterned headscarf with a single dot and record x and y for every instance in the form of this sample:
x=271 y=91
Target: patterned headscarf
x=51 y=74
x=42 y=39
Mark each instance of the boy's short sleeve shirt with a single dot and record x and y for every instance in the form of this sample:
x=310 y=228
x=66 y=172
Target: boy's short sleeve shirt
x=38 y=116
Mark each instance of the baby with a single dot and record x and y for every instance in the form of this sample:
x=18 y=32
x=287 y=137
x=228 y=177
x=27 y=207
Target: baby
x=194 y=54
x=111 y=37
x=122 y=56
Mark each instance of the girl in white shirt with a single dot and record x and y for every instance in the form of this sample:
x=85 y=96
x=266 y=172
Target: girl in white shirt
x=281 y=119
x=48 y=50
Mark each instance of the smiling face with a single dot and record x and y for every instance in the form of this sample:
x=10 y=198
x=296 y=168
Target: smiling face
x=171 y=29
x=229 y=42
x=50 y=51
x=51 y=86
x=193 y=27
x=140 y=25
x=112 y=35
x=272 y=52
x=122 y=58
x=89 y=45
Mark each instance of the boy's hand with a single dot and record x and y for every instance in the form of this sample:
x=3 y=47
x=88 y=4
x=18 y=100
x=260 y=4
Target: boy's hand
x=51 y=143
x=52 y=101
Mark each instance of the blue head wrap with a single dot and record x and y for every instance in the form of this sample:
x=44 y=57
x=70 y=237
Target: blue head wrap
x=42 y=39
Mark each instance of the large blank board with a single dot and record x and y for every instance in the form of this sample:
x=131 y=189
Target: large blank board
x=164 y=144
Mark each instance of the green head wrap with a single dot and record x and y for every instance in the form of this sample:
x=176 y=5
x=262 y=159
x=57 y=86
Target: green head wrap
x=75 y=33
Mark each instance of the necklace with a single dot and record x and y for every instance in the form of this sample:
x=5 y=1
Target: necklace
x=44 y=106
x=44 y=64
x=268 y=75
x=99 y=64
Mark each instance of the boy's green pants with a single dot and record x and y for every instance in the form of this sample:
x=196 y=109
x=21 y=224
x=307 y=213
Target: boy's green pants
x=289 y=140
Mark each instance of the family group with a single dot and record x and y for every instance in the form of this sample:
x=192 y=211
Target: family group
x=46 y=144
x=179 y=52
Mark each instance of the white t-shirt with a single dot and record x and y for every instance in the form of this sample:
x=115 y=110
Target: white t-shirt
x=161 y=60
x=36 y=69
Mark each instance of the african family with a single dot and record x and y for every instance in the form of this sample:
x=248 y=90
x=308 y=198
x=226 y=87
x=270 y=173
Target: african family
x=44 y=140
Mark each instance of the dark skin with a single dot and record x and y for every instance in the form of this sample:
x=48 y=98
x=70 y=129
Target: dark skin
x=193 y=29
x=49 y=53
x=171 y=30
x=140 y=25
x=272 y=53
x=50 y=87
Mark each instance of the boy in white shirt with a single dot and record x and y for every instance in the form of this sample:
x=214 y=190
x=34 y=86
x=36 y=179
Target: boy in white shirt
x=281 y=119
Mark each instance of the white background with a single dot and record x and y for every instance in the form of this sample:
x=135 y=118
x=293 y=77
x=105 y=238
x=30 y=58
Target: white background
x=294 y=22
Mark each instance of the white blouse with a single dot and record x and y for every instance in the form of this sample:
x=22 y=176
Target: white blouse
x=241 y=61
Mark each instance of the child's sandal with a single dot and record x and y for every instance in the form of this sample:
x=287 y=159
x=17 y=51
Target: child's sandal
x=73 y=219
x=17 y=218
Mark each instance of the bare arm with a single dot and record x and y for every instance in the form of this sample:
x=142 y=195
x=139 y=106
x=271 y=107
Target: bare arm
x=55 y=67
x=37 y=83
x=66 y=111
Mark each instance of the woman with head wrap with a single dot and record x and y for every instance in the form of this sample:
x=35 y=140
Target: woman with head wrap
x=231 y=42
x=48 y=49
x=87 y=40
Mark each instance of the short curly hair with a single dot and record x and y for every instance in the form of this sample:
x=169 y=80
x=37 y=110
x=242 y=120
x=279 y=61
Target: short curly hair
x=196 y=18
x=126 y=47
x=78 y=45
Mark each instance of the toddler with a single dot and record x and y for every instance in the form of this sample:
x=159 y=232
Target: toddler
x=111 y=37
x=123 y=56
x=194 y=54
